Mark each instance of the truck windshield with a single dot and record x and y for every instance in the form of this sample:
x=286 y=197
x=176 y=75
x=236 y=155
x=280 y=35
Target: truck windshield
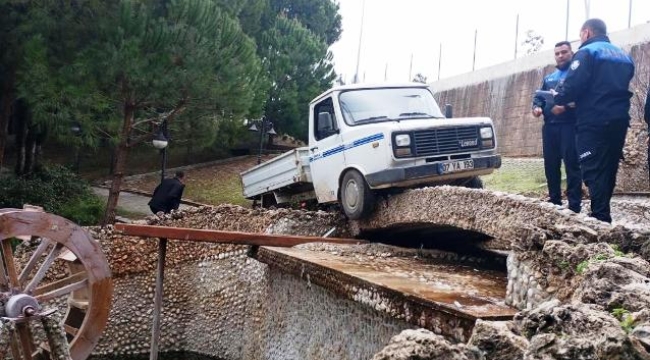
x=385 y=104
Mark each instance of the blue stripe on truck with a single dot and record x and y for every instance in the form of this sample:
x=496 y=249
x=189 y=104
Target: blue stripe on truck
x=348 y=146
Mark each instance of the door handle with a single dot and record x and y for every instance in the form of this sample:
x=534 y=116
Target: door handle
x=313 y=149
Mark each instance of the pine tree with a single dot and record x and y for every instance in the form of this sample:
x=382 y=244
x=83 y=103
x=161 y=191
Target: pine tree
x=151 y=62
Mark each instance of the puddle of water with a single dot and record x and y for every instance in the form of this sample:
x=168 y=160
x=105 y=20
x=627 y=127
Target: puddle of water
x=162 y=356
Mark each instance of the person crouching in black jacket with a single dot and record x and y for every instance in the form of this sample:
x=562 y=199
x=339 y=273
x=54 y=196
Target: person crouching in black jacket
x=167 y=195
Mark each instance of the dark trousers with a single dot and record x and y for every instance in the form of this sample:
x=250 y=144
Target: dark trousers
x=600 y=148
x=559 y=143
x=156 y=209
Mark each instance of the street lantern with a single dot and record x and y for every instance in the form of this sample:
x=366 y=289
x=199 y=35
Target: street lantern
x=160 y=141
x=265 y=128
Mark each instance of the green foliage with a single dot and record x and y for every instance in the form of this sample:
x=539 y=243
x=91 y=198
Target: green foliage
x=217 y=61
x=580 y=269
x=625 y=318
x=84 y=210
x=617 y=250
x=57 y=190
x=300 y=68
x=582 y=266
x=321 y=17
x=564 y=265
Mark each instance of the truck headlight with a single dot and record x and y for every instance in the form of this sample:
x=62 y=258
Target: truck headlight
x=486 y=132
x=403 y=140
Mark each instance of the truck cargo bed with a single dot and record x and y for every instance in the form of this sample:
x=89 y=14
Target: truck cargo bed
x=290 y=168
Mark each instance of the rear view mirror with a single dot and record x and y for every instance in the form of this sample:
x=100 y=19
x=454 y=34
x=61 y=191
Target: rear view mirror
x=449 y=111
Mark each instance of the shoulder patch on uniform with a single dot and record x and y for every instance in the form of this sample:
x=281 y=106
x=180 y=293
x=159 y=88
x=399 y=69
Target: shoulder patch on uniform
x=575 y=64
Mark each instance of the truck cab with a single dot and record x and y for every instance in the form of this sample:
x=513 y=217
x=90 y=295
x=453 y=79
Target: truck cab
x=364 y=138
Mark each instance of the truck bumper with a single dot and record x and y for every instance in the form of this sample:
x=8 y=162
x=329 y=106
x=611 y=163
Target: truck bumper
x=428 y=171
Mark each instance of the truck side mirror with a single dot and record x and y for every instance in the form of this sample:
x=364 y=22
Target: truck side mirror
x=449 y=111
x=325 y=124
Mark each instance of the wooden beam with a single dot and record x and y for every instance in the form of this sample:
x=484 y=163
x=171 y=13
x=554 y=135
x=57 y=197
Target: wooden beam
x=226 y=237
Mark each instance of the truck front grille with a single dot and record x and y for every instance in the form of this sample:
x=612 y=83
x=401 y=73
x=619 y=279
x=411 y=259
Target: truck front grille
x=446 y=140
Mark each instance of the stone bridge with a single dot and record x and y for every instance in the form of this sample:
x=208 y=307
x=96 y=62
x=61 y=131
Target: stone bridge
x=499 y=221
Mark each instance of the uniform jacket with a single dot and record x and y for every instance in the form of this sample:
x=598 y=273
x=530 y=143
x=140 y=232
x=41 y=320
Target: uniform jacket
x=551 y=82
x=167 y=195
x=646 y=110
x=598 y=82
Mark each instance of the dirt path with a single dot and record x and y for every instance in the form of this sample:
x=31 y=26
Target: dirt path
x=133 y=204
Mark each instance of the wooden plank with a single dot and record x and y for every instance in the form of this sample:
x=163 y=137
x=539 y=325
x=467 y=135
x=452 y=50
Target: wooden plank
x=228 y=237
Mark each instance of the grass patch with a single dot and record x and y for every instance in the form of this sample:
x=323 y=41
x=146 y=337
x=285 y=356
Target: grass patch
x=133 y=215
x=227 y=190
x=520 y=180
x=516 y=180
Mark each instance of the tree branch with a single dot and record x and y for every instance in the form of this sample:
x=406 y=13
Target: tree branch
x=179 y=108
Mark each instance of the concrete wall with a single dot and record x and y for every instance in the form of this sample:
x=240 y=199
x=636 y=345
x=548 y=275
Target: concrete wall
x=504 y=92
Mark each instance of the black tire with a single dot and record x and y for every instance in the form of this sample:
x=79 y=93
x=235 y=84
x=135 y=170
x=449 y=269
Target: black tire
x=474 y=183
x=268 y=200
x=357 y=200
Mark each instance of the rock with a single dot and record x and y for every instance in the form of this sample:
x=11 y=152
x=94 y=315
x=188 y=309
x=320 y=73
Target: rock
x=422 y=344
x=576 y=331
x=640 y=340
x=616 y=283
x=496 y=340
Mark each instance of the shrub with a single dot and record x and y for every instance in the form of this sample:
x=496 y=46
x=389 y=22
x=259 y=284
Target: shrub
x=84 y=210
x=57 y=190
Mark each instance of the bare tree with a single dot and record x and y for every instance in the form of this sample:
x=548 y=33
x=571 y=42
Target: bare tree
x=533 y=42
x=420 y=78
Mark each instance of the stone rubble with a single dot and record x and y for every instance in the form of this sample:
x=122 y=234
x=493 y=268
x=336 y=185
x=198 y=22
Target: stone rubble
x=422 y=344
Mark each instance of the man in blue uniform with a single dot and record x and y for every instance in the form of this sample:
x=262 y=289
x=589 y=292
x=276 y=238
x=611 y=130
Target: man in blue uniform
x=598 y=82
x=558 y=136
x=646 y=117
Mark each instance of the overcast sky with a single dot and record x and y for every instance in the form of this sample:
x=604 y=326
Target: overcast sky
x=395 y=30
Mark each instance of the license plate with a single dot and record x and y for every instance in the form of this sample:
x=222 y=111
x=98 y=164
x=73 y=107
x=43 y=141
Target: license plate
x=454 y=166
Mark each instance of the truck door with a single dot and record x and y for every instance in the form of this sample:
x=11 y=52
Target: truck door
x=326 y=149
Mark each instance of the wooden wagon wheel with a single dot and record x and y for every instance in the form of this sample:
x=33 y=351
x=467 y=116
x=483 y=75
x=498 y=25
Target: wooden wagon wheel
x=86 y=283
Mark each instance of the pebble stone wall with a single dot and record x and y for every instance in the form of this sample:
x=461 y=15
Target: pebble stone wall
x=222 y=303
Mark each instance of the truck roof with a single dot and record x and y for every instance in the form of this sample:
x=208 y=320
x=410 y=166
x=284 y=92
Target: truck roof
x=369 y=86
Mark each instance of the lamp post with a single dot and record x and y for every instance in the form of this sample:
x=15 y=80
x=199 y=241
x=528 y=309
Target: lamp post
x=160 y=142
x=75 y=128
x=265 y=128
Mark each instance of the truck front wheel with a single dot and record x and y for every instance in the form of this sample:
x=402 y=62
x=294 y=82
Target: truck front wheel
x=474 y=183
x=357 y=199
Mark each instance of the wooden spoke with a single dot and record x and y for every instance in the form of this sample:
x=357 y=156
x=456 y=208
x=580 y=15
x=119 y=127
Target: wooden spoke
x=70 y=330
x=44 y=268
x=33 y=260
x=60 y=288
x=8 y=255
x=4 y=279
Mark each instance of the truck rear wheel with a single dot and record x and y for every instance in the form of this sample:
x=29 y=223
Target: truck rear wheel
x=357 y=199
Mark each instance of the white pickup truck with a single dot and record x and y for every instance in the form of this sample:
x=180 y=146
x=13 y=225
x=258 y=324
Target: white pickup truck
x=366 y=139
